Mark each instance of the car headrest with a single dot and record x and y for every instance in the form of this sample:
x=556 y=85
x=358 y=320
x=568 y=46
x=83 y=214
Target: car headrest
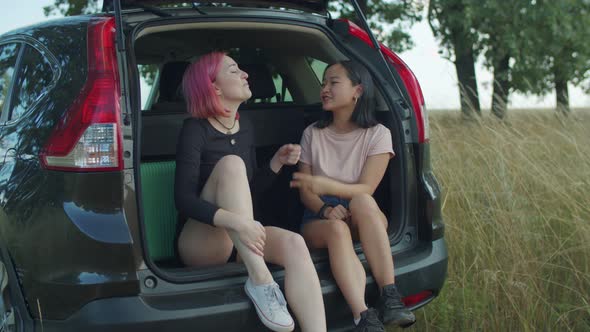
x=260 y=80
x=171 y=80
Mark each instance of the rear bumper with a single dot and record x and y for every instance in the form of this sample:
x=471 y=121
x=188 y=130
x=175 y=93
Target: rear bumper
x=425 y=269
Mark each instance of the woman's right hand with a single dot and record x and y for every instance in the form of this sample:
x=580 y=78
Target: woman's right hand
x=253 y=235
x=338 y=212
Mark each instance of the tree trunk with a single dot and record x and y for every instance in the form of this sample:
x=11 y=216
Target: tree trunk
x=501 y=87
x=562 y=99
x=465 y=66
x=460 y=38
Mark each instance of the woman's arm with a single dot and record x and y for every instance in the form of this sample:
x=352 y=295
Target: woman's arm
x=311 y=200
x=314 y=203
x=287 y=154
x=371 y=175
x=264 y=177
x=252 y=233
x=187 y=174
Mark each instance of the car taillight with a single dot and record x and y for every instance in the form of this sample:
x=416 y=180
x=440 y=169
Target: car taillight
x=407 y=76
x=88 y=137
x=412 y=300
x=415 y=92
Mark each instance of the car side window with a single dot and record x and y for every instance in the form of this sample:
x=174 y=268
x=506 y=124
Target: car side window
x=283 y=95
x=148 y=76
x=8 y=55
x=33 y=79
x=318 y=68
x=267 y=84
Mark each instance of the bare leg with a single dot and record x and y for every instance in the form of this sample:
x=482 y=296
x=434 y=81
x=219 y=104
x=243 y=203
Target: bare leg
x=228 y=188
x=371 y=224
x=200 y=244
x=302 y=286
x=346 y=267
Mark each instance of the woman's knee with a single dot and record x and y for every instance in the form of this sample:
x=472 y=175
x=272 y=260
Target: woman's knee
x=231 y=165
x=366 y=213
x=295 y=244
x=338 y=231
x=363 y=204
x=363 y=207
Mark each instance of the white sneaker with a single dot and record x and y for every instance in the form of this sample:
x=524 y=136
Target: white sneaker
x=270 y=306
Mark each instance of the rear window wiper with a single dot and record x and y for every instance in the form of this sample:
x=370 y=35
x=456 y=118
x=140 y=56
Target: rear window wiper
x=196 y=7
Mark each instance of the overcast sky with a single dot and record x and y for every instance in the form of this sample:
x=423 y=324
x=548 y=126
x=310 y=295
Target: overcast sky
x=436 y=75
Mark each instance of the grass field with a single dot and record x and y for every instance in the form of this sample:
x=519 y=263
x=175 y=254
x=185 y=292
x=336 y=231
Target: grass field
x=517 y=209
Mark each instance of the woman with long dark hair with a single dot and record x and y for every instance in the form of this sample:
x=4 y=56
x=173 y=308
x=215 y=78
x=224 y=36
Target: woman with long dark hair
x=343 y=158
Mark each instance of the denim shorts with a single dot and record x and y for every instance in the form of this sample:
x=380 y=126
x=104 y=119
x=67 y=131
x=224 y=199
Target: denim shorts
x=309 y=215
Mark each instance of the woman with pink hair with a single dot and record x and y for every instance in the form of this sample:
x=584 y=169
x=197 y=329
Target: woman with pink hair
x=215 y=167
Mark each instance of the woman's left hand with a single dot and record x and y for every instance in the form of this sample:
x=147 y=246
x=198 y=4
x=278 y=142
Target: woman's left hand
x=288 y=154
x=316 y=184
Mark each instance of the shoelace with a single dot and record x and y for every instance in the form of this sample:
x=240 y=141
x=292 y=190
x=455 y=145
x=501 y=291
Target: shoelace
x=275 y=298
x=392 y=299
x=371 y=320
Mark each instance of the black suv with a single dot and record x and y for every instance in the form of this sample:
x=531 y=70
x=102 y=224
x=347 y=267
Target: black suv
x=87 y=217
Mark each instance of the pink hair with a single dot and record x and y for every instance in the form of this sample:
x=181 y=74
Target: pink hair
x=198 y=89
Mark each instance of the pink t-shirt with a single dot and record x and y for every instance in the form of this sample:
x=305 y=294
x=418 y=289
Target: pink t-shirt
x=342 y=156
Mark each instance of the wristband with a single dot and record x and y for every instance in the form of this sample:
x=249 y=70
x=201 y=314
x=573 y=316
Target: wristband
x=320 y=213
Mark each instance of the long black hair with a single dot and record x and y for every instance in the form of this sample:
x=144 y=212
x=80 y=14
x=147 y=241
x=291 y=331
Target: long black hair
x=363 y=114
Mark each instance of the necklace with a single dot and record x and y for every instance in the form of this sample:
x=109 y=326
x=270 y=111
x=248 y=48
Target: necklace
x=229 y=129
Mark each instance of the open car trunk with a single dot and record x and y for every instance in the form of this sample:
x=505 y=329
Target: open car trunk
x=285 y=62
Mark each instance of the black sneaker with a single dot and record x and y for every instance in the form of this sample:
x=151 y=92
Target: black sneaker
x=392 y=310
x=369 y=322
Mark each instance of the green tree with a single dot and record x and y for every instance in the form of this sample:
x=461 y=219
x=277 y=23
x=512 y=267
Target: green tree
x=454 y=24
x=559 y=51
x=534 y=47
x=71 y=7
x=502 y=27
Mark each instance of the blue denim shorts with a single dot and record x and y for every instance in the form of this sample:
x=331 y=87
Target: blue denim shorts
x=309 y=215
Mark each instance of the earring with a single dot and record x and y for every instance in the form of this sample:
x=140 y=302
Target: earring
x=355 y=99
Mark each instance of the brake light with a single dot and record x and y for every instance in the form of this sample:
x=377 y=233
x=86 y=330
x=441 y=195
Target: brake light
x=88 y=137
x=413 y=300
x=415 y=92
x=407 y=76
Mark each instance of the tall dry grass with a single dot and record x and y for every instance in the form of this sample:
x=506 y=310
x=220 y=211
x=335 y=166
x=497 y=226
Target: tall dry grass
x=517 y=209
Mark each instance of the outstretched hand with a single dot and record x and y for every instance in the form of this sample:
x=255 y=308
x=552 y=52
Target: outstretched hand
x=314 y=183
x=289 y=154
